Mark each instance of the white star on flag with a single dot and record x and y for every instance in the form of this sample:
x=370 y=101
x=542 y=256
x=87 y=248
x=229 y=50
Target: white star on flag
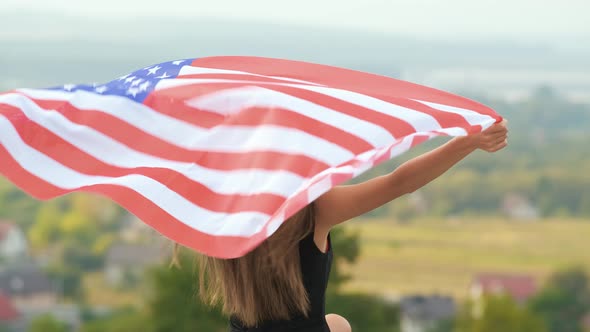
x=130 y=79
x=101 y=89
x=165 y=75
x=69 y=87
x=144 y=86
x=133 y=91
x=136 y=82
x=153 y=70
x=178 y=62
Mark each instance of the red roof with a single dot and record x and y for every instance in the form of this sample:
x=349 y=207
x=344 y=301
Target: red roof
x=520 y=287
x=7 y=310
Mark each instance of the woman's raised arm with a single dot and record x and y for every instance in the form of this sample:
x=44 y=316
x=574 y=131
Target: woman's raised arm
x=346 y=202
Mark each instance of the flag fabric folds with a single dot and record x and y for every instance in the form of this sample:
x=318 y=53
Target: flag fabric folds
x=215 y=153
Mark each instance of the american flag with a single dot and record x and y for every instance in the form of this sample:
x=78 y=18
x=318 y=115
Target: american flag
x=215 y=153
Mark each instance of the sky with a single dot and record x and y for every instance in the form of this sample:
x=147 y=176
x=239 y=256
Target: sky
x=552 y=22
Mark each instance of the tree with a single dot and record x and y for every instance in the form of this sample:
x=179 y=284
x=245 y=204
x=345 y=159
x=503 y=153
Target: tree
x=79 y=226
x=564 y=301
x=174 y=304
x=46 y=323
x=499 y=313
x=365 y=313
x=45 y=230
x=445 y=325
x=584 y=205
x=69 y=280
x=80 y=219
x=347 y=246
x=124 y=321
x=16 y=205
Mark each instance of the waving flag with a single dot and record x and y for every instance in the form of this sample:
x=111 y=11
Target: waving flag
x=215 y=153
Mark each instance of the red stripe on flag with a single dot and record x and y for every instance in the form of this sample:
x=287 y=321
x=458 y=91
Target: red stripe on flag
x=369 y=84
x=281 y=117
x=171 y=102
x=242 y=77
x=143 y=142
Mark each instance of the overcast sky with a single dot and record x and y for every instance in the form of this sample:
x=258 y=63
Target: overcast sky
x=549 y=21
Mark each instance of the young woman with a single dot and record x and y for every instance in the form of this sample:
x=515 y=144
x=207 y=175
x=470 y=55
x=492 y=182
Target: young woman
x=280 y=285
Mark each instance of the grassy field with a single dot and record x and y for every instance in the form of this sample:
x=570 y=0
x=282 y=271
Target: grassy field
x=443 y=256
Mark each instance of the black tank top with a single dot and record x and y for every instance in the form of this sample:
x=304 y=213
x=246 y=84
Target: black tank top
x=315 y=268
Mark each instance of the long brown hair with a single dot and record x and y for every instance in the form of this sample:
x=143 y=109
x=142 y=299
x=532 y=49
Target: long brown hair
x=266 y=283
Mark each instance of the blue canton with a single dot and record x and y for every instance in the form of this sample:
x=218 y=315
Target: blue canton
x=136 y=85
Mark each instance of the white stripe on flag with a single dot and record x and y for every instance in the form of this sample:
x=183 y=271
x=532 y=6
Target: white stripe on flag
x=272 y=138
x=193 y=70
x=166 y=128
x=233 y=100
x=473 y=117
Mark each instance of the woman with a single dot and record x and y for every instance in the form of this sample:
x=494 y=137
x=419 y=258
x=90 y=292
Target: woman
x=280 y=285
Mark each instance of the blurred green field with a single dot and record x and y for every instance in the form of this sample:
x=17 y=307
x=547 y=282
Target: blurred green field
x=442 y=256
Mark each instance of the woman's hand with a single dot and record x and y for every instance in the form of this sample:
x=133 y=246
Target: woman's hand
x=492 y=139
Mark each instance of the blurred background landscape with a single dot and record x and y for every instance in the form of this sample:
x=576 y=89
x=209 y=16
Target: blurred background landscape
x=499 y=243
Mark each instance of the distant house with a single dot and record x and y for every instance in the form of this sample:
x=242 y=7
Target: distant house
x=517 y=206
x=519 y=287
x=423 y=313
x=32 y=294
x=13 y=243
x=418 y=202
x=10 y=317
x=124 y=261
x=586 y=323
x=28 y=287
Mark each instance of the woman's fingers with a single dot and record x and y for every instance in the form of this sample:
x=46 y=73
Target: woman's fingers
x=495 y=129
x=499 y=140
x=496 y=137
x=497 y=146
x=493 y=139
x=498 y=127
